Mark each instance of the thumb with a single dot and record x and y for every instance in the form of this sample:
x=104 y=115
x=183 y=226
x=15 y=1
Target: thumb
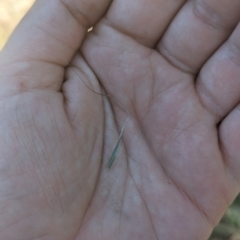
x=45 y=41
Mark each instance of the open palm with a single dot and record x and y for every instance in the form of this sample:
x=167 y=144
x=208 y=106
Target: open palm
x=174 y=66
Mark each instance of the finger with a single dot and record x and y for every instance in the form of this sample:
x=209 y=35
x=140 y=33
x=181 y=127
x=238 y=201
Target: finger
x=143 y=20
x=197 y=31
x=46 y=39
x=218 y=84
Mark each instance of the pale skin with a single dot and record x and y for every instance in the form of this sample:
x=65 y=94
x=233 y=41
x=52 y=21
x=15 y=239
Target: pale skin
x=174 y=66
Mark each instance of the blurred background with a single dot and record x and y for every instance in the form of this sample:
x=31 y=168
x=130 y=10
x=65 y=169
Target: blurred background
x=11 y=12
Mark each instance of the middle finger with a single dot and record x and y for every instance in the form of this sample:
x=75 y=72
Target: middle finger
x=143 y=20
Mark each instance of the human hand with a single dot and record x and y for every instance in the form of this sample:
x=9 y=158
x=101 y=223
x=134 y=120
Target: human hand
x=178 y=166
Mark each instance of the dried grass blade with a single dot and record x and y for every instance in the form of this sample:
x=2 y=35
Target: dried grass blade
x=114 y=154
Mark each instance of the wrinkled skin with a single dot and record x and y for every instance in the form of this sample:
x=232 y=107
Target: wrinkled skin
x=174 y=66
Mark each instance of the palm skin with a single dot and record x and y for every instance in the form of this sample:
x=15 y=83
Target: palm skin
x=178 y=166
